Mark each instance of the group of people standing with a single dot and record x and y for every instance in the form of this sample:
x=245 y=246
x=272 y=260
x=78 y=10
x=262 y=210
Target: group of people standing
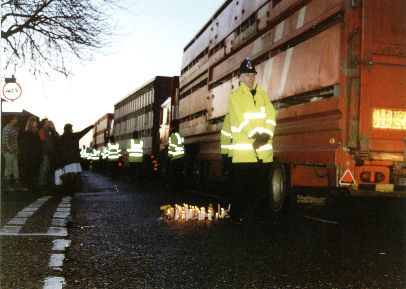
x=32 y=155
x=109 y=158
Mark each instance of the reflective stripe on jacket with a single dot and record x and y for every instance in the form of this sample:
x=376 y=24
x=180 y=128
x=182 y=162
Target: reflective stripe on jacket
x=250 y=115
x=226 y=137
x=95 y=155
x=113 y=151
x=135 y=149
x=176 y=146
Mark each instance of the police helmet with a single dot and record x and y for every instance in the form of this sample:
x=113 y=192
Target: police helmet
x=247 y=66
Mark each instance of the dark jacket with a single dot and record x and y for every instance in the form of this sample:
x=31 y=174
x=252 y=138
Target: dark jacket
x=47 y=141
x=31 y=149
x=69 y=146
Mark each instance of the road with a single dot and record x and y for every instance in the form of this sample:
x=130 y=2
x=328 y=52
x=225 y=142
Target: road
x=109 y=235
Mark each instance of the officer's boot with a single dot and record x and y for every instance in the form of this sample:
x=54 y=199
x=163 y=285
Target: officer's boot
x=8 y=186
x=20 y=187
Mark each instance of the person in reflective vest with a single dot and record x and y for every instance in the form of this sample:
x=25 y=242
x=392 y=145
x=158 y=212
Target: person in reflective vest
x=103 y=162
x=135 y=149
x=83 y=153
x=252 y=120
x=113 y=150
x=95 y=155
x=95 y=158
x=176 y=153
x=176 y=148
x=226 y=145
x=104 y=153
x=113 y=155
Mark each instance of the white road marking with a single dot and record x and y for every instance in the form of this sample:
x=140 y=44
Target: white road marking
x=57 y=231
x=60 y=244
x=56 y=260
x=63 y=209
x=10 y=230
x=66 y=199
x=25 y=214
x=11 y=234
x=54 y=282
x=64 y=205
x=22 y=217
x=31 y=208
x=61 y=215
x=59 y=222
x=17 y=221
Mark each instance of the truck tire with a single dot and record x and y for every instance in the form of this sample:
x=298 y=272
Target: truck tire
x=278 y=188
x=197 y=173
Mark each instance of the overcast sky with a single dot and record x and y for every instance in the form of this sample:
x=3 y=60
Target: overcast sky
x=154 y=33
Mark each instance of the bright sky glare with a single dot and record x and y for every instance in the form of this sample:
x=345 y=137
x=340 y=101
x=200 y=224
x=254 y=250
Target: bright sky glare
x=154 y=33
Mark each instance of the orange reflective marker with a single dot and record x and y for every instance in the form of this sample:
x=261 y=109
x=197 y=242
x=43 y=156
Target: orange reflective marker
x=347 y=178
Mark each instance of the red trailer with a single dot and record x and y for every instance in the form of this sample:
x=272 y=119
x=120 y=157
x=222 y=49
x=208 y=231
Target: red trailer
x=336 y=72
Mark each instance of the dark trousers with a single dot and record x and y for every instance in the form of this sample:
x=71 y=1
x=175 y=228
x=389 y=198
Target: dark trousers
x=113 y=165
x=175 y=174
x=250 y=184
x=136 y=171
x=30 y=170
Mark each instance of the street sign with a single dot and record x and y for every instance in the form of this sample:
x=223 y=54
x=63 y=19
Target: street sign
x=11 y=91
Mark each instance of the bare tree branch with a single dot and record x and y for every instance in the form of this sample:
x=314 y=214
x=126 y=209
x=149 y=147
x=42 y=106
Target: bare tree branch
x=47 y=33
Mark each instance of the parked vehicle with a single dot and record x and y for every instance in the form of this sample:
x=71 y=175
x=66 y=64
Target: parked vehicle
x=336 y=72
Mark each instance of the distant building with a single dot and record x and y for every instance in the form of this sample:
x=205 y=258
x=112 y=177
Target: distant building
x=22 y=117
x=141 y=111
x=102 y=130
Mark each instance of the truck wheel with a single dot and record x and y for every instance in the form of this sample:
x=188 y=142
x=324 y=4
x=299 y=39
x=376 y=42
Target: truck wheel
x=197 y=173
x=278 y=190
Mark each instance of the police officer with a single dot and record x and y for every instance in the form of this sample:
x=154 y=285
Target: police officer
x=113 y=149
x=176 y=153
x=252 y=119
x=135 y=149
x=103 y=159
x=95 y=158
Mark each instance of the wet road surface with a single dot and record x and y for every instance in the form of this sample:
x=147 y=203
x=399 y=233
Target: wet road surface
x=117 y=241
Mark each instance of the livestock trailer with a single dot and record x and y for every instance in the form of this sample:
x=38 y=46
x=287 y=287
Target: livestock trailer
x=335 y=70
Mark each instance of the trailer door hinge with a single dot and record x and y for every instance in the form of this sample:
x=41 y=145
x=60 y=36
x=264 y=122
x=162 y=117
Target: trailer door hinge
x=355 y=3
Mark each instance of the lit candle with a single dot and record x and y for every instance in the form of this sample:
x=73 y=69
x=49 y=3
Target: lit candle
x=209 y=215
x=176 y=212
x=217 y=216
x=186 y=212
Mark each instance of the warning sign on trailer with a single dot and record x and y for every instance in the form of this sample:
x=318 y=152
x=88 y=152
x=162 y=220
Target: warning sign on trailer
x=347 y=179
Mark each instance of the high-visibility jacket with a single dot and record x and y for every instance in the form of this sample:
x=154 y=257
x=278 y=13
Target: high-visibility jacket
x=113 y=151
x=83 y=153
x=226 y=137
x=135 y=149
x=95 y=155
x=88 y=154
x=176 y=148
x=250 y=115
x=104 y=153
